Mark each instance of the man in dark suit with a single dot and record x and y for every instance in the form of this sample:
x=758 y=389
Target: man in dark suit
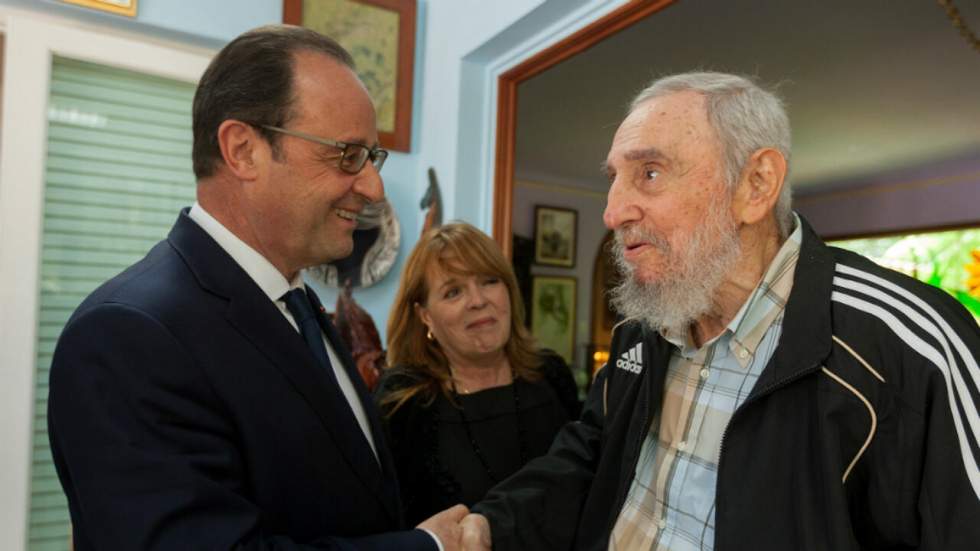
x=201 y=399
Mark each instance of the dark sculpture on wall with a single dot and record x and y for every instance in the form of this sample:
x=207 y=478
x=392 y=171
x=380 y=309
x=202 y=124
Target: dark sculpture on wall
x=358 y=331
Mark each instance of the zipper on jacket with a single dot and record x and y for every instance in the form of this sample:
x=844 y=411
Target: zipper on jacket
x=764 y=392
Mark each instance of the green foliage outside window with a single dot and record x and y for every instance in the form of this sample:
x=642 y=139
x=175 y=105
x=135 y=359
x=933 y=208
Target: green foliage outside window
x=944 y=259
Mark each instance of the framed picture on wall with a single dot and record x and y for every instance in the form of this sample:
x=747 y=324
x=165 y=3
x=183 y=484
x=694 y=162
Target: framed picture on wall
x=380 y=36
x=553 y=314
x=555 y=234
x=118 y=7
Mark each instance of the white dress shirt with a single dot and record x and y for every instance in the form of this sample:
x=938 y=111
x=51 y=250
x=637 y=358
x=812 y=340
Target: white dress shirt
x=275 y=285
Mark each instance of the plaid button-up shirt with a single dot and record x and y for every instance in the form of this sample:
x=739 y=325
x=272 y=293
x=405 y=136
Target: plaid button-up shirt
x=671 y=503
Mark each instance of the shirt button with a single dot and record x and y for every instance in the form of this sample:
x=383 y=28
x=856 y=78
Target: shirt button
x=743 y=353
x=682 y=445
x=704 y=373
x=662 y=523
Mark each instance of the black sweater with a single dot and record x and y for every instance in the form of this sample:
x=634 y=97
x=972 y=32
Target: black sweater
x=435 y=457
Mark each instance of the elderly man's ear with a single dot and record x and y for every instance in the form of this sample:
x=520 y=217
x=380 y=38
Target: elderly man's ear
x=762 y=180
x=241 y=146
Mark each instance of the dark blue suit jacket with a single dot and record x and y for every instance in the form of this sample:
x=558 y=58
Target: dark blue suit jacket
x=186 y=413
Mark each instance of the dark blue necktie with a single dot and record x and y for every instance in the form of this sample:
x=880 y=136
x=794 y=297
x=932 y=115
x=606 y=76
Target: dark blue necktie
x=300 y=307
x=303 y=308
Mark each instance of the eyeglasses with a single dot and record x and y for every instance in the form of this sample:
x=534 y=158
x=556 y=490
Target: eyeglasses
x=352 y=155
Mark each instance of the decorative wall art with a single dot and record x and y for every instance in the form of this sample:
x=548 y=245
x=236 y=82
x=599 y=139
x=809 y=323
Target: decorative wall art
x=118 y=7
x=555 y=233
x=553 y=314
x=380 y=35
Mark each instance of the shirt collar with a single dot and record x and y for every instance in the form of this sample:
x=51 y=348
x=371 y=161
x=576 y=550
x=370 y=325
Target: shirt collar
x=258 y=267
x=768 y=299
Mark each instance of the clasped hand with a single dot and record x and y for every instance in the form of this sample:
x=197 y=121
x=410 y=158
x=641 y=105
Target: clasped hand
x=459 y=530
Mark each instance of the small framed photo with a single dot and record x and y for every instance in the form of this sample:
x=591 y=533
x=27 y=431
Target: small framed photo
x=555 y=235
x=553 y=314
x=118 y=7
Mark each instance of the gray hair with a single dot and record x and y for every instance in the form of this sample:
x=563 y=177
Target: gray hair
x=746 y=119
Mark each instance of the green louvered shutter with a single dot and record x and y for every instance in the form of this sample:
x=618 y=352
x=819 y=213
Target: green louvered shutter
x=117 y=172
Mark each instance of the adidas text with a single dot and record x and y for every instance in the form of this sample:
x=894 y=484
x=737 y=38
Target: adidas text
x=632 y=360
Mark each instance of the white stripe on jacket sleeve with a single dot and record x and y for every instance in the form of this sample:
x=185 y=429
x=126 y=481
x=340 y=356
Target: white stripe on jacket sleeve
x=956 y=385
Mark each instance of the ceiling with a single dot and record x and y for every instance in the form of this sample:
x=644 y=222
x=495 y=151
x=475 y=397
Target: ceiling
x=871 y=85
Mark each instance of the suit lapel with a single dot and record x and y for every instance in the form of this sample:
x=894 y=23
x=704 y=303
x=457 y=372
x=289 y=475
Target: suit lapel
x=258 y=320
x=374 y=421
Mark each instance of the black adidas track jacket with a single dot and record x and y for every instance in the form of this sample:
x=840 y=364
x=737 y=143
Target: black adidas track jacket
x=861 y=433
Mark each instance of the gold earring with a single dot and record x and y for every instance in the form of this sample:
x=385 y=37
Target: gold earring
x=428 y=335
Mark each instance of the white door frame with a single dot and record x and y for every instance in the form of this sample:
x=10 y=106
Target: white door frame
x=31 y=41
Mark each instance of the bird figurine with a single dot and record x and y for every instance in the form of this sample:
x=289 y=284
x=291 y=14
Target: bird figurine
x=432 y=200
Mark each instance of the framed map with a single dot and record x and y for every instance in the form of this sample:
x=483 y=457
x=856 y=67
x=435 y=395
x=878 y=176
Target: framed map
x=380 y=36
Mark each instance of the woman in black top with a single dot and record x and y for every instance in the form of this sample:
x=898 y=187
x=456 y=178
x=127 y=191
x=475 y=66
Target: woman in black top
x=468 y=400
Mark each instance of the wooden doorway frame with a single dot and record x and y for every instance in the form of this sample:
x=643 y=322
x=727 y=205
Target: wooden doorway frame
x=579 y=41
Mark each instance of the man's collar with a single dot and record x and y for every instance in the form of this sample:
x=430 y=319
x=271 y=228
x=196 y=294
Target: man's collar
x=262 y=272
x=769 y=297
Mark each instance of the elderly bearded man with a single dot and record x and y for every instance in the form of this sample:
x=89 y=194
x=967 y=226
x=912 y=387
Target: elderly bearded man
x=765 y=391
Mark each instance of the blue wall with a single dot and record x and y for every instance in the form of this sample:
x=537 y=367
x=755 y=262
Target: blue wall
x=208 y=23
x=220 y=20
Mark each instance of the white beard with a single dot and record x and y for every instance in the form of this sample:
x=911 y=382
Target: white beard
x=693 y=273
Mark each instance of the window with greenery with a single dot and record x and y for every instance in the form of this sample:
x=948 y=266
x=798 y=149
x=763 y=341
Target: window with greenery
x=949 y=260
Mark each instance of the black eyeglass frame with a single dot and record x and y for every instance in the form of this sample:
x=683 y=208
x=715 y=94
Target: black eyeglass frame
x=353 y=156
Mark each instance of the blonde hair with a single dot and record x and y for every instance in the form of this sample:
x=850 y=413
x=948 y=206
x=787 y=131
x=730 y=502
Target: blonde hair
x=461 y=249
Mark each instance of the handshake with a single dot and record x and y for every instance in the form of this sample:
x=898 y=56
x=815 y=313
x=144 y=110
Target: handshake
x=458 y=529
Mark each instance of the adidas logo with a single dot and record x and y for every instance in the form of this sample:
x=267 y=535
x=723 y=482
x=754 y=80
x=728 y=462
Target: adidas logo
x=632 y=360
